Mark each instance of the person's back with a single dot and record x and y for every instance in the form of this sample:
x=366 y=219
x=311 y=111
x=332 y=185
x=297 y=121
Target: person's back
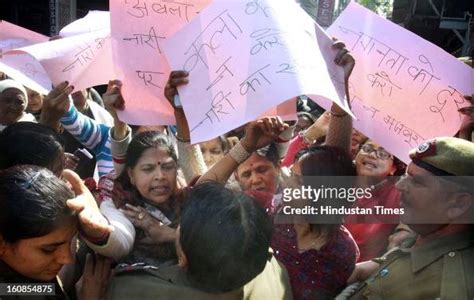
x=223 y=251
x=146 y=282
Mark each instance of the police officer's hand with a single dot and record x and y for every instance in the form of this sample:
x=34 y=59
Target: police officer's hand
x=362 y=271
x=95 y=279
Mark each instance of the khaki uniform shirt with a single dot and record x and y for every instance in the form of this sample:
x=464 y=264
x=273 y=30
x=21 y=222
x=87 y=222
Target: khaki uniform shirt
x=170 y=283
x=439 y=269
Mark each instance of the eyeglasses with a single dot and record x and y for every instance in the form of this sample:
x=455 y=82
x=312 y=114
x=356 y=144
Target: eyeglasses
x=380 y=153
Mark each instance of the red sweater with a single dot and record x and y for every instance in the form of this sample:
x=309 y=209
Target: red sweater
x=371 y=232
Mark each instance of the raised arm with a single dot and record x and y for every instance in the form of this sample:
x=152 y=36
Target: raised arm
x=55 y=105
x=340 y=125
x=258 y=134
x=120 y=135
x=58 y=109
x=91 y=134
x=191 y=160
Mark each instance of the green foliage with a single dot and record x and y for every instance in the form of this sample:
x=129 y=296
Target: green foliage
x=381 y=7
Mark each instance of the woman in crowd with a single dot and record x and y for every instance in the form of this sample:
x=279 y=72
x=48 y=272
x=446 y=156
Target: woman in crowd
x=35 y=103
x=214 y=150
x=36 y=226
x=39 y=217
x=375 y=166
x=143 y=202
x=13 y=102
x=320 y=258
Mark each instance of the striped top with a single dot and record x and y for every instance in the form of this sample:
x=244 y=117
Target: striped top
x=91 y=134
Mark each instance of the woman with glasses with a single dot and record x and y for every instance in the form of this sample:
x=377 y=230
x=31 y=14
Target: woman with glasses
x=375 y=168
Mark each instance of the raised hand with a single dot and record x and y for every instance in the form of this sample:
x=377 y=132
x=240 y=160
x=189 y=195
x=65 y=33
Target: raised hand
x=113 y=99
x=92 y=223
x=262 y=132
x=56 y=104
x=176 y=79
x=343 y=58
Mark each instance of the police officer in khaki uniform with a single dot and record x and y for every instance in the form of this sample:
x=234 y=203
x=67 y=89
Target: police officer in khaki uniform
x=148 y=282
x=438 y=202
x=223 y=251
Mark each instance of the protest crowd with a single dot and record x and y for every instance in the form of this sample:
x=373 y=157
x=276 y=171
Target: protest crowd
x=98 y=205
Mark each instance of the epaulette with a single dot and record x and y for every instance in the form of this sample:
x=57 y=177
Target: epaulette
x=137 y=267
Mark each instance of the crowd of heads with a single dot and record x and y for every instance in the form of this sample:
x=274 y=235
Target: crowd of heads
x=221 y=235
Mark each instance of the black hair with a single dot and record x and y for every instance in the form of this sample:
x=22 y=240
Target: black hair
x=32 y=202
x=322 y=160
x=307 y=116
x=225 y=236
x=400 y=166
x=271 y=153
x=327 y=162
x=30 y=143
x=139 y=144
x=224 y=143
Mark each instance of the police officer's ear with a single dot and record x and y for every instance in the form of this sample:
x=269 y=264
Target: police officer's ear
x=182 y=259
x=130 y=175
x=3 y=245
x=460 y=207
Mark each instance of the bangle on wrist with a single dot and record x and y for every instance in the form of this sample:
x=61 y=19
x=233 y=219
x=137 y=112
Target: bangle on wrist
x=100 y=241
x=182 y=140
x=338 y=115
x=238 y=153
x=305 y=137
